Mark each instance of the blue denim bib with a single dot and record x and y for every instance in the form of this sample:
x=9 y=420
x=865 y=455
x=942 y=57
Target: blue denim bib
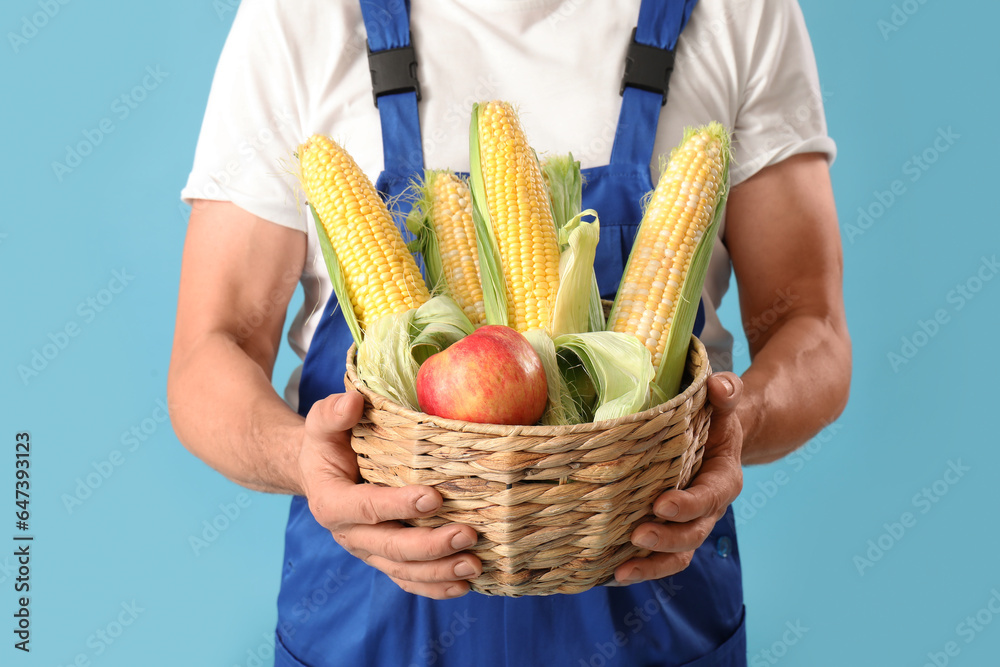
x=335 y=610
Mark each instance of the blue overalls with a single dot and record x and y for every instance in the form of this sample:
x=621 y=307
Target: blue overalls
x=333 y=609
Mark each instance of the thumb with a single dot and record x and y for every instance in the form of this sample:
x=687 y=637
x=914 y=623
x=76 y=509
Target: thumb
x=724 y=391
x=329 y=418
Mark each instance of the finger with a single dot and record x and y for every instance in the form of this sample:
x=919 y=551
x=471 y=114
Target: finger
x=724 y=392
x=725 y=431
x=445 y=591
x=443 y=570
x=339 y=502
x=330 y=420
x=655 y=566
x=673 y=537
x=716 y=485
x=720 y=478
x=399 y=543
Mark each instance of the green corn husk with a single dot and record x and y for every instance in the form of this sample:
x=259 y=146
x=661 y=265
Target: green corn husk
x=491 y=274
x=675 y=352
x=594 y=376
x=581 y=387
x=436 y=325
x=565 y=185
x=563 y=407
x=619 y=367
x=338 y=279
x=425 y=241
x=391 y=349
x=397 y=344
x=575 y=301
x=384 y=360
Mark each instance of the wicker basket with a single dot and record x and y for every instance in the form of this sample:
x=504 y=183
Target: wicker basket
x=554 y=506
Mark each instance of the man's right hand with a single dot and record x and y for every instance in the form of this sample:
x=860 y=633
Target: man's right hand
x=238 y=276
x=364 y=518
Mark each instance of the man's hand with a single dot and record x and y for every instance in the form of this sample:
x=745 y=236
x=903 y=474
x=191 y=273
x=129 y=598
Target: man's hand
x=225 y=410
x=364 y=518
x=692 y=512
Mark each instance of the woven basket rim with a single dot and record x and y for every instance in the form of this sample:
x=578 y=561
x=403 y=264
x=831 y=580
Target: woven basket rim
x=383 y=403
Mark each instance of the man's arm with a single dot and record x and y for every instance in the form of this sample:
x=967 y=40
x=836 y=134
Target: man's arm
x=782 y=235
x=237 y=278
x=784 y=241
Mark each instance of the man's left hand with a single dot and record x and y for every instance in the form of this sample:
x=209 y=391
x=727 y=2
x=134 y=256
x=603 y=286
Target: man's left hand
x=692 y=513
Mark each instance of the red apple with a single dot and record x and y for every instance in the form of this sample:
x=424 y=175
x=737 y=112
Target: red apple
x=492 y=376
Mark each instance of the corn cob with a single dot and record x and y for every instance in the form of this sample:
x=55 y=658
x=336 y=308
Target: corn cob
x=681 y=208
x=518 y=208
x=446 y=236
x=380 y=274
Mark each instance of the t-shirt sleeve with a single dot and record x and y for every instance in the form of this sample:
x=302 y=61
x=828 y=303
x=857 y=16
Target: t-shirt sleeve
x=781 y=111
x=251 y=125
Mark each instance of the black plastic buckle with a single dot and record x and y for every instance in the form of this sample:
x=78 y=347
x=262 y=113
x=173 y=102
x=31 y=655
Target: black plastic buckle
x=648 y=68
x=393 y=71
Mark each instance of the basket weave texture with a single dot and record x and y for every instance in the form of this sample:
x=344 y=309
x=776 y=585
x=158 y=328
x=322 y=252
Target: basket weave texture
x=554 y=506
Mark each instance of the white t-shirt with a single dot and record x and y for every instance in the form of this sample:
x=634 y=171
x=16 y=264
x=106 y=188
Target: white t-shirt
x=289 y=70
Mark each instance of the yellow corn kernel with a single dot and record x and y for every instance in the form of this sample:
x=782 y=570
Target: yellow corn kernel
x=380 y=273
x=451 y=215
x=519 y=208
x=679 y=211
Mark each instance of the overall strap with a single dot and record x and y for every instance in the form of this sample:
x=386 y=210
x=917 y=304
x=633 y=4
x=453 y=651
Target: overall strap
x=395 y=87
x=648 y=66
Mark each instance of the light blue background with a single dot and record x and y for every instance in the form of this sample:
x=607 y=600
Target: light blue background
x=803 y=522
